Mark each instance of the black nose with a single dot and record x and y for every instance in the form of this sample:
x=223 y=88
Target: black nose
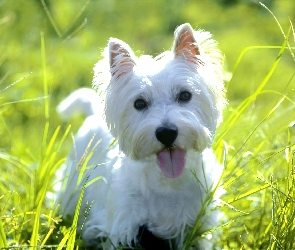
x=167 y=135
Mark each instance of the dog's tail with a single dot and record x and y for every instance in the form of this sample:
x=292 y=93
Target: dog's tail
x=83 y=100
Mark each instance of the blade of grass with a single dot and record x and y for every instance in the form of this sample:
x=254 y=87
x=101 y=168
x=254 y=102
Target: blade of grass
x=81 y=26
x=232 y=180
x=24 y=100
x=193 y=236
x=45 y=82
x=257 y=126
x=47 y=236
x=45 y=92
x=12 y=84
x=70 y=236
x=53 y=23
x=45 y=169
x=48 y=157
x=250 y=192
x=3 y=241
x=76 y=31
x=292 y=29
x=245 y=104
x=35 y=231
x=242 y=54
x=282 y=31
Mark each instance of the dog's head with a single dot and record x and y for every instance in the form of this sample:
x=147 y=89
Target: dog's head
x=167 y=105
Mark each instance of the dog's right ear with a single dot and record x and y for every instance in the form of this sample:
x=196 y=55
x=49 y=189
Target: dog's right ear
x=121 y=58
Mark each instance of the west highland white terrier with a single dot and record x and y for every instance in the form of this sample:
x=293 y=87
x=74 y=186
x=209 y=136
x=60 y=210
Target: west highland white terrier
x=146 y=172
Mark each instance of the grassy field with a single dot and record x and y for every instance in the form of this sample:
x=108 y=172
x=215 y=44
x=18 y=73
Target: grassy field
x=48 y=49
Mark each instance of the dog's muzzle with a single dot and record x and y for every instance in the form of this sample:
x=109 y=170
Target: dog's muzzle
x=171 y=159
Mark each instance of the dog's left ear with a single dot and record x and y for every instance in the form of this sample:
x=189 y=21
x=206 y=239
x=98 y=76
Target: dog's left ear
x=185 y=45
x=121 y=57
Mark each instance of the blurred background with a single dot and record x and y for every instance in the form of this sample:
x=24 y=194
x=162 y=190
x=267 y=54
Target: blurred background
x=75 y=32
x=56 y=43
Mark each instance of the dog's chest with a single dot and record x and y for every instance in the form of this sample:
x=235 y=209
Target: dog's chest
x=171 y=212
x=164 y=208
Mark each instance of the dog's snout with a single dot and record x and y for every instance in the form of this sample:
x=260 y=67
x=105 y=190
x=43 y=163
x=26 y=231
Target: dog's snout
x=167 y=135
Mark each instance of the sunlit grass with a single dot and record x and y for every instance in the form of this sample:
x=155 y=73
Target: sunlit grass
x=267 y=224
x=255 y=143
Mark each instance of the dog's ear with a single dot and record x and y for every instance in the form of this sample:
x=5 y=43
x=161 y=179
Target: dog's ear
x=121 y=57
x=185 y=44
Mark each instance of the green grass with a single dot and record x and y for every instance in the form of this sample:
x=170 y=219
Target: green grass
x=48 y=50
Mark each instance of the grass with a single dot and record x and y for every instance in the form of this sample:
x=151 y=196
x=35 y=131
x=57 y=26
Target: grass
x=256 y=141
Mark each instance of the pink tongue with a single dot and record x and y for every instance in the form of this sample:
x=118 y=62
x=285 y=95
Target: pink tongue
x=171 y=162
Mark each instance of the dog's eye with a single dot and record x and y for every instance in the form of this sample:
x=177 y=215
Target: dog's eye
x=140 y=104
x=184 y=96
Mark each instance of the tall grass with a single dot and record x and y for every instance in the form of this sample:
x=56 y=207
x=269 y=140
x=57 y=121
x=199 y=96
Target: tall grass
x=255 y=143
x=259 y=169
x=268 y=224
x=30 y=223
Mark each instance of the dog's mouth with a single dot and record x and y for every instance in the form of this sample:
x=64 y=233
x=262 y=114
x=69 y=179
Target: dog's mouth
x=171 y=161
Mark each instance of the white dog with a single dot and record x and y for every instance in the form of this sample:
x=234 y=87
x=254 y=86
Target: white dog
x=163 y=113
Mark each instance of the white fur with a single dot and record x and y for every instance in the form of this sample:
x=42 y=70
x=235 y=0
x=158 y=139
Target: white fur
x=80 y=101
x=133 y=190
